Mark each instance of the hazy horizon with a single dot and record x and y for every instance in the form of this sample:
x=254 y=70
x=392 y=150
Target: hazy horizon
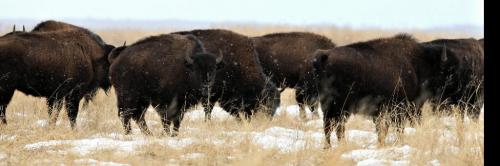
x=384 y=14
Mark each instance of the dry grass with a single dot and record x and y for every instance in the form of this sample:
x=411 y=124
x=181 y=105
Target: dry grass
x=438 y=138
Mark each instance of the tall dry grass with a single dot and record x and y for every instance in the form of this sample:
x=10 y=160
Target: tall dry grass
x=26 y=115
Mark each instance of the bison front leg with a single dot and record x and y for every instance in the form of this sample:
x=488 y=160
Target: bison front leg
x=176 y=114
x=5 y=97
x=333 y=117
x=172 y=115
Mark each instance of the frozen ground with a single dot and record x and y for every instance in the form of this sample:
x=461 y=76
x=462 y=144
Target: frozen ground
x=282 y=139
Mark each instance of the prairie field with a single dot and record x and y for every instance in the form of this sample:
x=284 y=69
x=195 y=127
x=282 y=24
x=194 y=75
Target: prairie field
x=287 y=139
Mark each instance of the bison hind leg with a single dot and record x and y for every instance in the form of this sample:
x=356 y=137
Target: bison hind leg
x=128 y=106
x=72 y=104
x=139 y=117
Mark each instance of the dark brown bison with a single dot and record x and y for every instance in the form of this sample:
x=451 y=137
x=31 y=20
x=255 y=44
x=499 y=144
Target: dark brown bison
x=170 y=72
x=285 y=58
x=464 y=83
x=52 y=25
x=241 y=83
x=60 y=66
x=377 y=73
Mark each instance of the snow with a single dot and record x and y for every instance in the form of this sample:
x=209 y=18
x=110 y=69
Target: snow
x=43 y=123
x=377 y=162
x=2 y=156
x=8 y=137
x=192 y=156
x=97 y=162
x=286 y=140
x=218 y=114
x=86 y=146
x=292 y=111
x=434 y=162
x=281 y=139
x=375 y=156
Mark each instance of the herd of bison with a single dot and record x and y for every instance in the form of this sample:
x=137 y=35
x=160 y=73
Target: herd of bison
x=65 y=63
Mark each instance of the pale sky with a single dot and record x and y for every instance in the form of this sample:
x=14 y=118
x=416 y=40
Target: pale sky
x=354 y=13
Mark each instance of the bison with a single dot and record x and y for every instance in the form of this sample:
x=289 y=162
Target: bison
x=52 y=25
x=464 y=82
x=285 y=57
x=376 y=73
x=60 y=66
x=171 y=72
x=241 y=83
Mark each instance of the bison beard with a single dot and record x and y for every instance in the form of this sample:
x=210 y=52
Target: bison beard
x=378 y=73
x=166 y=71
x=55 y=65
x=241 y=85
x=286 y=58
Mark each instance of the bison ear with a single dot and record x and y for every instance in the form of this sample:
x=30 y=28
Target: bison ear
x=320 y=58
x=114 y=53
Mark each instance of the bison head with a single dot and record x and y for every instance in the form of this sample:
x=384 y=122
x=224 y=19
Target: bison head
x=103 y=68
x=203 y=67
x=440 y=69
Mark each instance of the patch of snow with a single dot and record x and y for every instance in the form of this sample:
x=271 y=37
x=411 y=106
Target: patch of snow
x=377 y=162
x=178 y=143
x=43 y=123
x=291 y=111
x=318 y=123
x=361 y=137
x=217 y=114
x=86 y=146
x=397 y=153
x=8 y=137
x=286 y=140
x=20 y=114
x=434 y=162
x=97 y=162
x=447 y=136
x=194 y=115
x=3 y=156
x=192 y=156
x=410 y=131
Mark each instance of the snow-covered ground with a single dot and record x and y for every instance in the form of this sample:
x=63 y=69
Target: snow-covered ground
x=282 y=139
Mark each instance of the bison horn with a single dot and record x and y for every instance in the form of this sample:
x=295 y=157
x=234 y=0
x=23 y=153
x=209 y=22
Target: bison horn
x=188 y=59
x=24 y=29
x=14 y=28
x=124 y=43
x=444 y=57
x=219 y=58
